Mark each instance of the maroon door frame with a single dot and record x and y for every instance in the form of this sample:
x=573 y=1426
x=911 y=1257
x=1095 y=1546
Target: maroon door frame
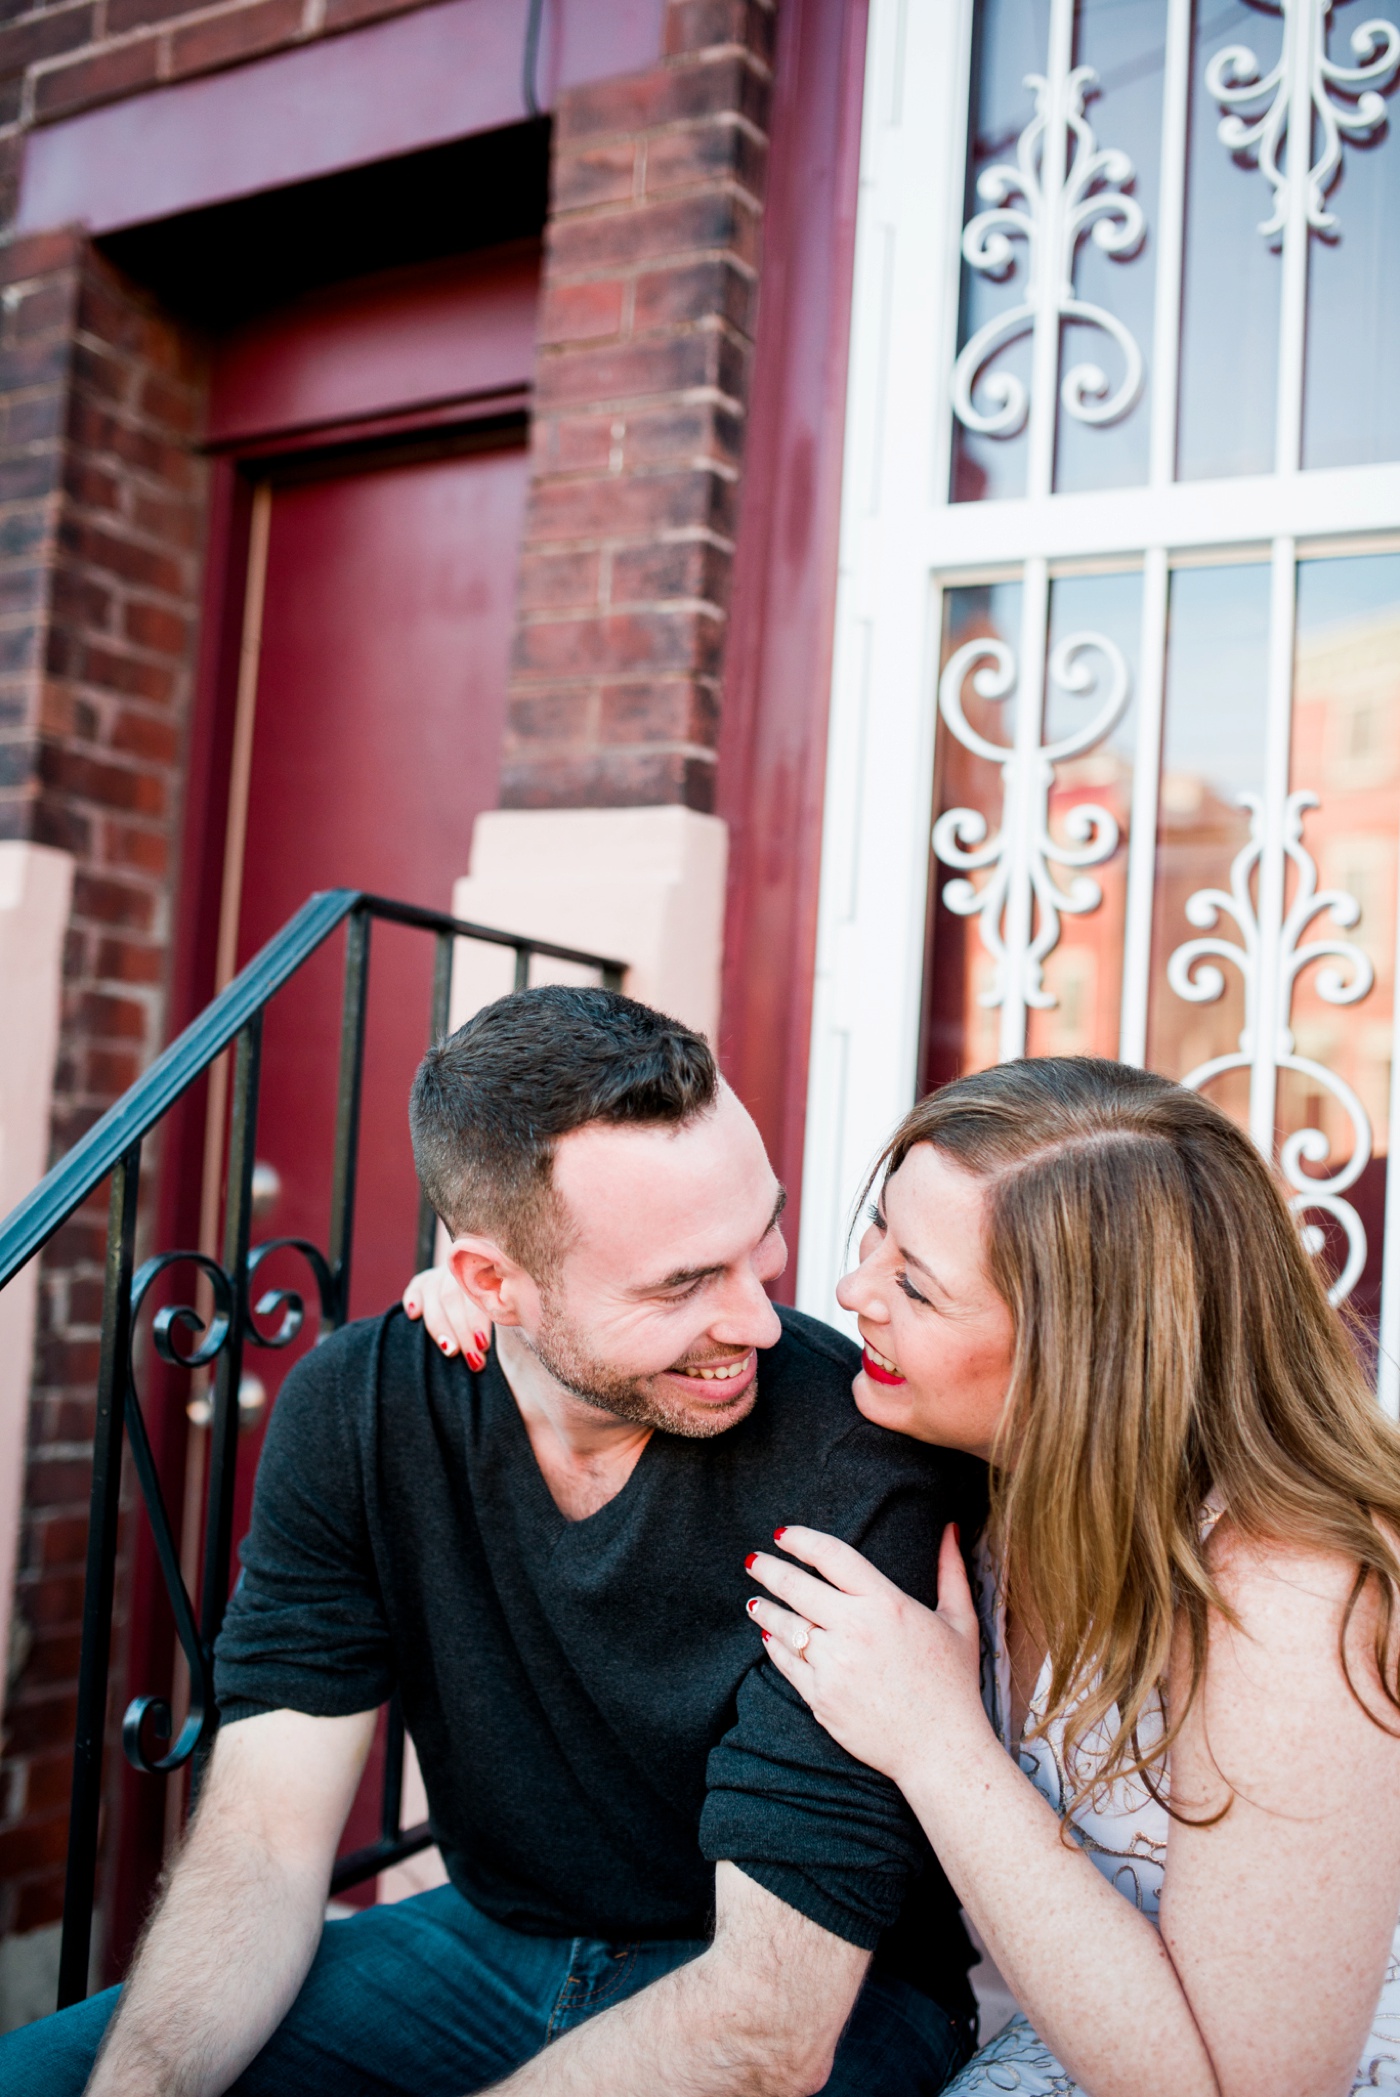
x=772 y=755
x=498 y=389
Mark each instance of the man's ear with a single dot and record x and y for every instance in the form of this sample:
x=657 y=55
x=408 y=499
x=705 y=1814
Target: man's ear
x=496 y=1284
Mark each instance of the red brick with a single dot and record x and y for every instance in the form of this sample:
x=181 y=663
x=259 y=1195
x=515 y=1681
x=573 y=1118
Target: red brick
x=48 y=1780
x=128 y=961
x=611 y=779
x=555 y=580
x=152 y=626
x=347 y=14
x=121 y=557
x=598 y=175
x=666 y=95
x=53 y=1658
x=657 y=640
x=64 y=1482
x=33 y=1844
x=574 y=444
x=110 y=1071
x=44 y=35
x=693 y=568
x=142 y=850
x=40 y=1904
x=240 y=32
x=33 y=255
x=702 y=25
x=719 y=218
x=125 y=15
x=111 y=902
x=631 y=505
x=115 y=71
x=688 y=291
x=176 y=407
x=637 y=371
x=575 y=312
x=658 y=713
x=720 y=149
x=144 y=735
x=114 y=786
x=111 y=1018
x=42 y=308
x=556 y=716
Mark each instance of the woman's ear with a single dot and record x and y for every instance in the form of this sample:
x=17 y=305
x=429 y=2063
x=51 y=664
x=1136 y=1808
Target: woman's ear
x=489 y=1277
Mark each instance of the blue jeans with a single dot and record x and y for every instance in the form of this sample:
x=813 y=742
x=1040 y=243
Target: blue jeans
x=429 y=1998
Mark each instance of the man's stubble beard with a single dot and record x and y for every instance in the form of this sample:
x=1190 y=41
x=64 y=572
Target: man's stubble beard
x=630 y=1398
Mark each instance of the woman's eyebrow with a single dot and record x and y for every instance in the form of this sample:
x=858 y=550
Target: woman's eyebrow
x=911 y=1259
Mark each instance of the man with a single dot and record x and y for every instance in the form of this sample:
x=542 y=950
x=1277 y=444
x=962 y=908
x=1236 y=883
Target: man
x=542 y=1548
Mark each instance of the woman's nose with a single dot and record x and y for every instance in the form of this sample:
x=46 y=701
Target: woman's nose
x=854 y=1293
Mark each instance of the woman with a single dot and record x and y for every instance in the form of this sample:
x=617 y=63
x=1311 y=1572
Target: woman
x=1188 y=1863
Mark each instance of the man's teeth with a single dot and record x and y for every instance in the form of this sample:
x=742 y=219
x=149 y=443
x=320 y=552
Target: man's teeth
x=881 y=1361
x=721 y=1372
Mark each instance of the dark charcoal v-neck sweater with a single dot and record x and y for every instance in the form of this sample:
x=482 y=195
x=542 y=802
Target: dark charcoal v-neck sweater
x=594 y=1718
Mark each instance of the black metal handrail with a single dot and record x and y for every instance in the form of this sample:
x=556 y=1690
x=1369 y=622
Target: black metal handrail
x=112 y=1149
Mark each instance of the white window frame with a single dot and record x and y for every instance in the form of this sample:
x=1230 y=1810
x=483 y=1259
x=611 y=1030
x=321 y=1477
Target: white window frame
x=903 y=541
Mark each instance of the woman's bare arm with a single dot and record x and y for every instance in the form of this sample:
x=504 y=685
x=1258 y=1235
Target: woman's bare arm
x=1276 y=1922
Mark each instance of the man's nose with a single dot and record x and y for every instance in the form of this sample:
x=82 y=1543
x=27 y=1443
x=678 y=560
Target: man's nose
x=747 y=1317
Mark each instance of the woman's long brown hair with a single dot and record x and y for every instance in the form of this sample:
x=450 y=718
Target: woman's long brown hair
x=1172 y=1339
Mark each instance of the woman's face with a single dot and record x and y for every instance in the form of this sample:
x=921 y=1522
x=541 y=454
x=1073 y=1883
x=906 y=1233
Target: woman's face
x=938 y=1338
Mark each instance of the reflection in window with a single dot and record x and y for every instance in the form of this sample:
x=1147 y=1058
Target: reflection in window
x=1212 y=752
x=1346 y=750
x=1231 y=284
x=1083 y=971
x=1123 y=42
x=1351 y=411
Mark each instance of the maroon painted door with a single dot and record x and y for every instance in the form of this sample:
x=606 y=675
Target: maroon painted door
x=380 y=691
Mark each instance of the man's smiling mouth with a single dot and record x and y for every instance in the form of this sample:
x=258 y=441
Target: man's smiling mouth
x=715 y=1372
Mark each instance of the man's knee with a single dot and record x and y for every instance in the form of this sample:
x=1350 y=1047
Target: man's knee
x=54 y=2057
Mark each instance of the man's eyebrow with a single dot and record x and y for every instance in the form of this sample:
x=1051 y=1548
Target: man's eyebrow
x=685 y=1276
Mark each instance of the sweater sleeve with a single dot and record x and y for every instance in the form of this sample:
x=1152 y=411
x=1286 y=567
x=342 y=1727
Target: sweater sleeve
x=794 y=1811
x=306 y=1628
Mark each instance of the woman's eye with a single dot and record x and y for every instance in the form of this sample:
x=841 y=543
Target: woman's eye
x=910 y=1291
x=873 y=1212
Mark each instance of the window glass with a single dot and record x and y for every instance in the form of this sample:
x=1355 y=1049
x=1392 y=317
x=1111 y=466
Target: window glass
x=1231 y=279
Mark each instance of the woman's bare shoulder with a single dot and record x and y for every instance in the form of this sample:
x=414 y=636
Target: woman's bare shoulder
x=1280 y=1647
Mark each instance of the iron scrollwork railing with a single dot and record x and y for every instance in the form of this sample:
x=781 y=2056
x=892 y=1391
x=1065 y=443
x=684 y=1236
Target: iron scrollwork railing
x=113 y=1149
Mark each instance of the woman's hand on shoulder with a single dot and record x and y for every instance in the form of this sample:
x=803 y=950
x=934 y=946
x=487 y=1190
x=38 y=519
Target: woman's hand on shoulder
x=891 y=1681
x=448 y=1314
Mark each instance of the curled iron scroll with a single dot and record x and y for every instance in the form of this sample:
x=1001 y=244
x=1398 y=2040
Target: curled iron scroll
x=150 y=1716
x=287 y=1300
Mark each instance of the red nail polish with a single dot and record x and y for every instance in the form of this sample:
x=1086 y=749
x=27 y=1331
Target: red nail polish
x=751 y=1604
x=483 y=1341
x=779 y=1534
x=748 y=1562
x=476 y=1361
x=767 y=1637
x=446 y=1346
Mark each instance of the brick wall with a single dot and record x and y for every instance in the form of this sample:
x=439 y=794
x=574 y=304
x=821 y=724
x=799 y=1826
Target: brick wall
x=646 y=336
x=101 y=518
x=61 y=58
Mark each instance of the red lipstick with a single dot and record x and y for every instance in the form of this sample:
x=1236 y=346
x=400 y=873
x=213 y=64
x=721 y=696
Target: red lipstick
x=875 y=1372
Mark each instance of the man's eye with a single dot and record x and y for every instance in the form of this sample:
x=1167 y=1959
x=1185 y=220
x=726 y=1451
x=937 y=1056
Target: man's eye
x=910 y=1291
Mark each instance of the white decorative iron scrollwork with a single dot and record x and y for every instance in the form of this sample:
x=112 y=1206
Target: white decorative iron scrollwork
x=1279 y=135
x=1052 y=218
x=1193 y=974
x=1091 y=833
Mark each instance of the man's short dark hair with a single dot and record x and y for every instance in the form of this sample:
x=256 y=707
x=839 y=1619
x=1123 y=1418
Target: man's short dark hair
x=490 y=1103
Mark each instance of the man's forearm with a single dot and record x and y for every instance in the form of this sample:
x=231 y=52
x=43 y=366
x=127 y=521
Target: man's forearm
x=757 y=2015
x=219 y=1968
